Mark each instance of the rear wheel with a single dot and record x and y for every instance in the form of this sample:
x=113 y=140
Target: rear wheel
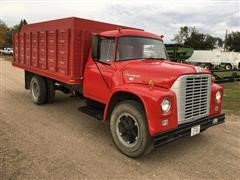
x=50 y=91
x=228 y=66
x=129 y=129
x=38 y=89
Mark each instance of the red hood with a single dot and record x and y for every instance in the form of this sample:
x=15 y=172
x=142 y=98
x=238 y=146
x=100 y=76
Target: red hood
x=162 y=72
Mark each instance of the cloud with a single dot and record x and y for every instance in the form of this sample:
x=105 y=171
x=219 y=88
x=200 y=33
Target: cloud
x=161 y=17
x=166 y=18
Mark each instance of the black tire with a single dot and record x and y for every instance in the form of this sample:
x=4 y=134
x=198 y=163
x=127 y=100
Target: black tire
x=125 y=142
x=50 y=91
x=228 y=67
x=38 y=89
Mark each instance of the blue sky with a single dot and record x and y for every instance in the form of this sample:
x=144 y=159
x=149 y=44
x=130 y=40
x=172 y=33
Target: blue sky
x=157 y=16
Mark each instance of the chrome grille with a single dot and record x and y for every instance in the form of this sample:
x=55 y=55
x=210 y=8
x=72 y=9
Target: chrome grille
x=193 y=96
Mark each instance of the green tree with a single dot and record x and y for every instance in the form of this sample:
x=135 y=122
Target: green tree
x=183 y=34
x=189 y=36
x=219 y=42
x=18 y=28
x=233 y=41
x=3 y=31
x=6 y=36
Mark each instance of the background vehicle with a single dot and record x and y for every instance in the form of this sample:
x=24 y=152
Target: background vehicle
x=6 y=51
x=178 y=53
x=230 y=60
x=215 y=59
x=124 y=76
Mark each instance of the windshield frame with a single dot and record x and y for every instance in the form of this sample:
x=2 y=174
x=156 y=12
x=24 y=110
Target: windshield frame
x=140 y=58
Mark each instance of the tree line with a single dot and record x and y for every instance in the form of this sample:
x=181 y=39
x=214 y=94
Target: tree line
x=191 y=37
x=186 y=36
x=6 y=32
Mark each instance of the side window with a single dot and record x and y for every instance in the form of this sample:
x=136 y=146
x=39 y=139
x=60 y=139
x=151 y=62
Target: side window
x=107 y=46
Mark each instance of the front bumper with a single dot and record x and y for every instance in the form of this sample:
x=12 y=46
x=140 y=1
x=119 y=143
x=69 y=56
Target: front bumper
x=185 y=129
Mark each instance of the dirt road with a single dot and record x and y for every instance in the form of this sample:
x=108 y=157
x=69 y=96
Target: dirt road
x=56 y=141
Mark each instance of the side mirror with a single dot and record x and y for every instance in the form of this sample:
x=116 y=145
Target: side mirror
x=95 y=47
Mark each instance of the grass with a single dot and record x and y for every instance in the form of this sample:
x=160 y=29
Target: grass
x=231 y=98
x=227 y=74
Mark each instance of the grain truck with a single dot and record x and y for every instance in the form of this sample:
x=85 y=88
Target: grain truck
x=124 y=75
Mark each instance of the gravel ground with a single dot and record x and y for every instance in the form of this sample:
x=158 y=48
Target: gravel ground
x=56 y=141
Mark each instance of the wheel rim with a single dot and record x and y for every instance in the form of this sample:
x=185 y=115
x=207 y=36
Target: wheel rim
x=35 y=90
x=228 y=67
x=127 y=129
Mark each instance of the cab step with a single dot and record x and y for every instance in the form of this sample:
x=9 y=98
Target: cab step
x=92 y=111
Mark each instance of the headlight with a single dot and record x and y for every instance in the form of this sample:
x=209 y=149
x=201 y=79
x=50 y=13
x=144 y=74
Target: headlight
x=165 y=105
x=218 y=96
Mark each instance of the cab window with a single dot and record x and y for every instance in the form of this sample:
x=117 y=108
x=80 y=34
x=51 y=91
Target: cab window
x=107 y=46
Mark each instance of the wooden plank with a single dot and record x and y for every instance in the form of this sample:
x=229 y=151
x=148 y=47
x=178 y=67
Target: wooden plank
x=37 y=39
x=46 y=49
x=68 y=49
x=56 y=50
x=30 y=49
x=24 y=48
x=18 y=47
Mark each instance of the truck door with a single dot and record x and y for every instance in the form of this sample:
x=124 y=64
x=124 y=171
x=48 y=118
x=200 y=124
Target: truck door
x=98 y=74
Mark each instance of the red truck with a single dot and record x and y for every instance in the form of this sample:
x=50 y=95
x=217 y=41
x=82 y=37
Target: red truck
x=124 y=74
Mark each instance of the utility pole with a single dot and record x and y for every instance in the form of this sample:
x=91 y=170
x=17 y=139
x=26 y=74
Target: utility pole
x=224 y=46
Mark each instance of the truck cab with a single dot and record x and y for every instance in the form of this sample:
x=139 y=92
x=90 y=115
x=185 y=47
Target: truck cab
x=129 y=73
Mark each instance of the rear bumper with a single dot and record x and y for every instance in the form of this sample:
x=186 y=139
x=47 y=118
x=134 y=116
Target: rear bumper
x=185 y=129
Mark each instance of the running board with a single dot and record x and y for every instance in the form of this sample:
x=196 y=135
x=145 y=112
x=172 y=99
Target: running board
x=92 y=111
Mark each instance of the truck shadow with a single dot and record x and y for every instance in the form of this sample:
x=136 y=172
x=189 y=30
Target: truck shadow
x=183 y=147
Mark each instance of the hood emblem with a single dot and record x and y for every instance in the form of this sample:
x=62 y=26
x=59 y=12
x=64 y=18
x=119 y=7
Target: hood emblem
x=198 y=69
x=131 y=77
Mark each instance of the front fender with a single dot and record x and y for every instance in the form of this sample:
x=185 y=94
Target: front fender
x=151 y=98
x=215 y=107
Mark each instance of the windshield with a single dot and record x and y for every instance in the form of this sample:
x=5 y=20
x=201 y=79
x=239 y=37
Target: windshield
x=139 y=48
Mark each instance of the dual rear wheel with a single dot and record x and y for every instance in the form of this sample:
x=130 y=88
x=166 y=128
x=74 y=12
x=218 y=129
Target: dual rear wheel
x=42 y=90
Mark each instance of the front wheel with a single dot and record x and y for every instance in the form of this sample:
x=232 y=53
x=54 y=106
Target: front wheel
x=129 y=129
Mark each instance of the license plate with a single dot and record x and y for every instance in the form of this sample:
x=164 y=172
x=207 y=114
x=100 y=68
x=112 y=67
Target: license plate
x=195 y=130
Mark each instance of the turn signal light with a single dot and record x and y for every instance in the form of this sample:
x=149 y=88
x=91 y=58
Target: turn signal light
x=165 y=122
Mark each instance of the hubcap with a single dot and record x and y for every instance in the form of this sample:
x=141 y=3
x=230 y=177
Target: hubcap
x=228 y=67
x=35 y=90
x=127 y=129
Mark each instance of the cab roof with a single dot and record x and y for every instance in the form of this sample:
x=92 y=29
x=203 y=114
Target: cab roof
x=129 y=32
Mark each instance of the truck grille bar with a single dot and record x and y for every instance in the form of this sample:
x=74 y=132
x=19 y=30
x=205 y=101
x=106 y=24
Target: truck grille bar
x=193 y=97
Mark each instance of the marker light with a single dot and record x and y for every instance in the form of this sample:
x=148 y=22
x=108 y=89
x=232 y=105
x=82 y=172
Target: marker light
x=218 y=96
